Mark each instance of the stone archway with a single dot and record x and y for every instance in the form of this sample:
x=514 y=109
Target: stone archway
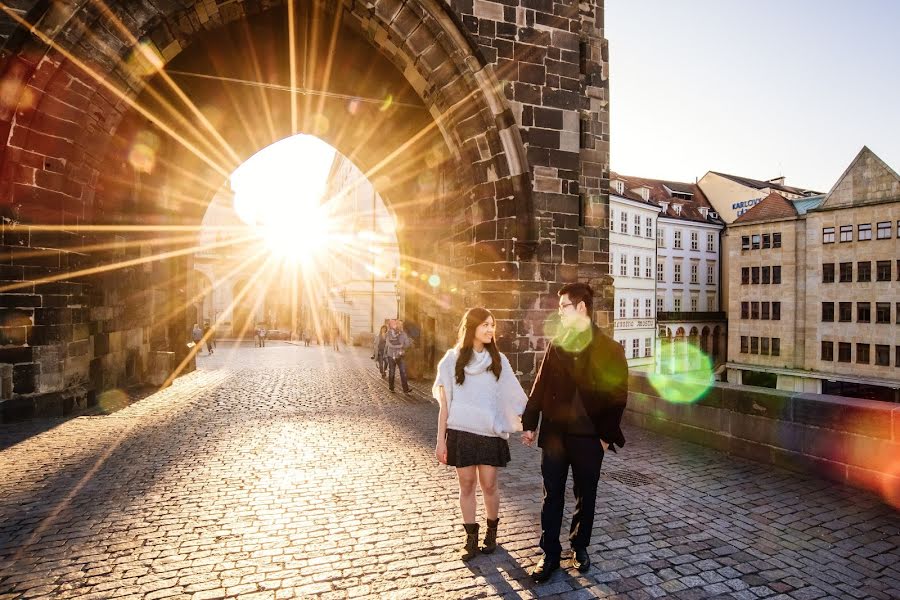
x=516 y=204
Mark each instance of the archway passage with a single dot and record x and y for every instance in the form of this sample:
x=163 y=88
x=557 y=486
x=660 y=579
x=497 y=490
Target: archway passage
x=486 y=138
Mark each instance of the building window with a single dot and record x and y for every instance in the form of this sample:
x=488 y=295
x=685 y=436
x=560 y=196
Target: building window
x=828 y=312
x=828 y=351
x=711 y=302
x=660 y=271
x=765 y=311
x=648 y=268
x=695 y=242
x=612 y=219
x=754 y=274
x=883 y=270
x=828 y=235
x=648 y=343
x=754 y=345
x=621 y=308
x=694 y=275
x=882 y=355
x=647 y=310
x=636 y=308
x=754 y=241
x=659 y=303
x=694 y=302
x=635 y=348
x=637 y=266
x=898 y=269
x=863 y=312
x=846 y=272
x=776 y=274
x=744 y=344
x=745 y=310
x=623 y=222
x=844 y=352
x=678 y=239
x=828 y=273
x=623 y=265
x=710 y=242
x=864 y=271
x=637 y=225
x=884 y=230
x=745 y=242
x=862 y=354
x=764 y=346
x=677 y=272
x=776 y=240
x=754 y=310
x=677 y=304
x=846 y=233
x=897 y=348
x=882 y=312
x=648 y=223
x=845 y=312
x=897 y=312
x=776 y=311
x=660 y=237
x=766 y=275
x=745 y=275
x=766 y=240
x=864 y=232
x=710 y=274
x=776 y=346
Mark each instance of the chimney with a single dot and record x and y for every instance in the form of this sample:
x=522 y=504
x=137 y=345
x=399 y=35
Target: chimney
x=777 y=180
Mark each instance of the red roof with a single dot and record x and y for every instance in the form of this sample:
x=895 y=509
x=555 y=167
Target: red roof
x=661 y=192
x=773 y=206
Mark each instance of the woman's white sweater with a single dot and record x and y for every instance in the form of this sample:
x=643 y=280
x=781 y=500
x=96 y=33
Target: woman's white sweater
x=483 y=404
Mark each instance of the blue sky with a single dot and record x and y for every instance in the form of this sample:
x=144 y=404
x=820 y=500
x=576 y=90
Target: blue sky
x=759 y=89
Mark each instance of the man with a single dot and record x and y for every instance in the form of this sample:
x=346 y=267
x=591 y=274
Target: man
x=395 y=344
x=579 y=395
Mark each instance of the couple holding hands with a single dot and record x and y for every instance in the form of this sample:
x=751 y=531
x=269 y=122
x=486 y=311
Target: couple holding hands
x=578 y=396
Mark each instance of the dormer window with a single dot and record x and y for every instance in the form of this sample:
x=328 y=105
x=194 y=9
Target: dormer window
x=677 y=209
x=645 y=193
x=619 y=187
x=703 y=211
x=664 y=206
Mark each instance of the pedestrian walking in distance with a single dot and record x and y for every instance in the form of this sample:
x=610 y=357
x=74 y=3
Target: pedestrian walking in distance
x=480 y=405
x=395 y=344
x=378 y=351
x=579 y=396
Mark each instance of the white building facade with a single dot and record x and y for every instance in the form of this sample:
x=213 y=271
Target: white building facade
x=632 y=244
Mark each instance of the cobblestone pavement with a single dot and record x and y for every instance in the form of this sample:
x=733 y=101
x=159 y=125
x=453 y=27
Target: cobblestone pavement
x=291 y=472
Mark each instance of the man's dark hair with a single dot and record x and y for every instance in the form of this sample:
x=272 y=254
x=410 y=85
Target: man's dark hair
x=579 y=292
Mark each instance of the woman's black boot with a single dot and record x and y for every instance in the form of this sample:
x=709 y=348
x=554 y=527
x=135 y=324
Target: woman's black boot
x=490 y=536
x=471 y=548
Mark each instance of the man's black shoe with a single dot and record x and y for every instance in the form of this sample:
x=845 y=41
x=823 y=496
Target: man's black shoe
x=544 y=569
x=581 y=560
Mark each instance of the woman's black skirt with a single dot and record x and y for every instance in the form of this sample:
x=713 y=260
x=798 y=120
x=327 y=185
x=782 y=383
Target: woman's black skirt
x=465 y=449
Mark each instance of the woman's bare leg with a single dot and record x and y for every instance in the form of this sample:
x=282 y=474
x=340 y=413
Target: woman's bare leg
x=487 y=480
x=468 y=478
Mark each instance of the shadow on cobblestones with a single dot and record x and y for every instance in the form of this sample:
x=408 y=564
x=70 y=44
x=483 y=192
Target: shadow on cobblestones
x=291 y=471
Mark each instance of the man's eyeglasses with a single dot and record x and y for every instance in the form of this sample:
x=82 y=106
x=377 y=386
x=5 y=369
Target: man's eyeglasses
x=563 y=307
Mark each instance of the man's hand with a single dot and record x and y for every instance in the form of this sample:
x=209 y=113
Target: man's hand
x=604 y=444
x=528 y=438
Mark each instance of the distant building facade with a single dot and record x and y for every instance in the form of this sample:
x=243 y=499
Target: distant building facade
x=832 y=322
x=733 y=195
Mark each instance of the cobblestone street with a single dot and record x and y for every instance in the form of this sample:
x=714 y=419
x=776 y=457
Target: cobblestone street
x=289 y=472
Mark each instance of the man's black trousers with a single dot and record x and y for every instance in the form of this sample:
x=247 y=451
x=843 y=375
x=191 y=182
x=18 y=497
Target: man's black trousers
x=585 y=455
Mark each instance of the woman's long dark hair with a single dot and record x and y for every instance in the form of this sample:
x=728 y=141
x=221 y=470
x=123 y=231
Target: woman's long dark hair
x=467 y=326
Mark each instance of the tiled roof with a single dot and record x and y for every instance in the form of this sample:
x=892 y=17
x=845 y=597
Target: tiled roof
x=661 y=193
x=760 y=185
x=773 y=206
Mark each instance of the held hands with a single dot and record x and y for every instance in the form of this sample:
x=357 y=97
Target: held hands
x=440 y=452
x=528 y=438
x=604 y=444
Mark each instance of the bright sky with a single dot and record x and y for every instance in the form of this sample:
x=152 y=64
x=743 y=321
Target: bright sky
x=758 y=89
x=291 y=174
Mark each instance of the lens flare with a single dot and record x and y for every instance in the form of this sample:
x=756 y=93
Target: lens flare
x=388 y=102
x=685 y=375
x=434 y=281
x=111 y=401
x=142 y=156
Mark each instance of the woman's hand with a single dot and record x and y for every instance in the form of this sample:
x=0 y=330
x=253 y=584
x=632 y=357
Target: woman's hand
x=440 y=452
x=528 y=438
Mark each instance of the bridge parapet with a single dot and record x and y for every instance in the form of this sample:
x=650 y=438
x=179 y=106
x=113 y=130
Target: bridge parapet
x=854 y=441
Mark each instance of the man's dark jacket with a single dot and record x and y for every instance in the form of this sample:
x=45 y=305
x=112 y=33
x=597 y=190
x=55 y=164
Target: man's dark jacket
x=600 y=374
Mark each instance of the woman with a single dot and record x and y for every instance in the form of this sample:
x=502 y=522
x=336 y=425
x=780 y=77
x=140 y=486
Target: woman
x=380 y=358
x=480 y=404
